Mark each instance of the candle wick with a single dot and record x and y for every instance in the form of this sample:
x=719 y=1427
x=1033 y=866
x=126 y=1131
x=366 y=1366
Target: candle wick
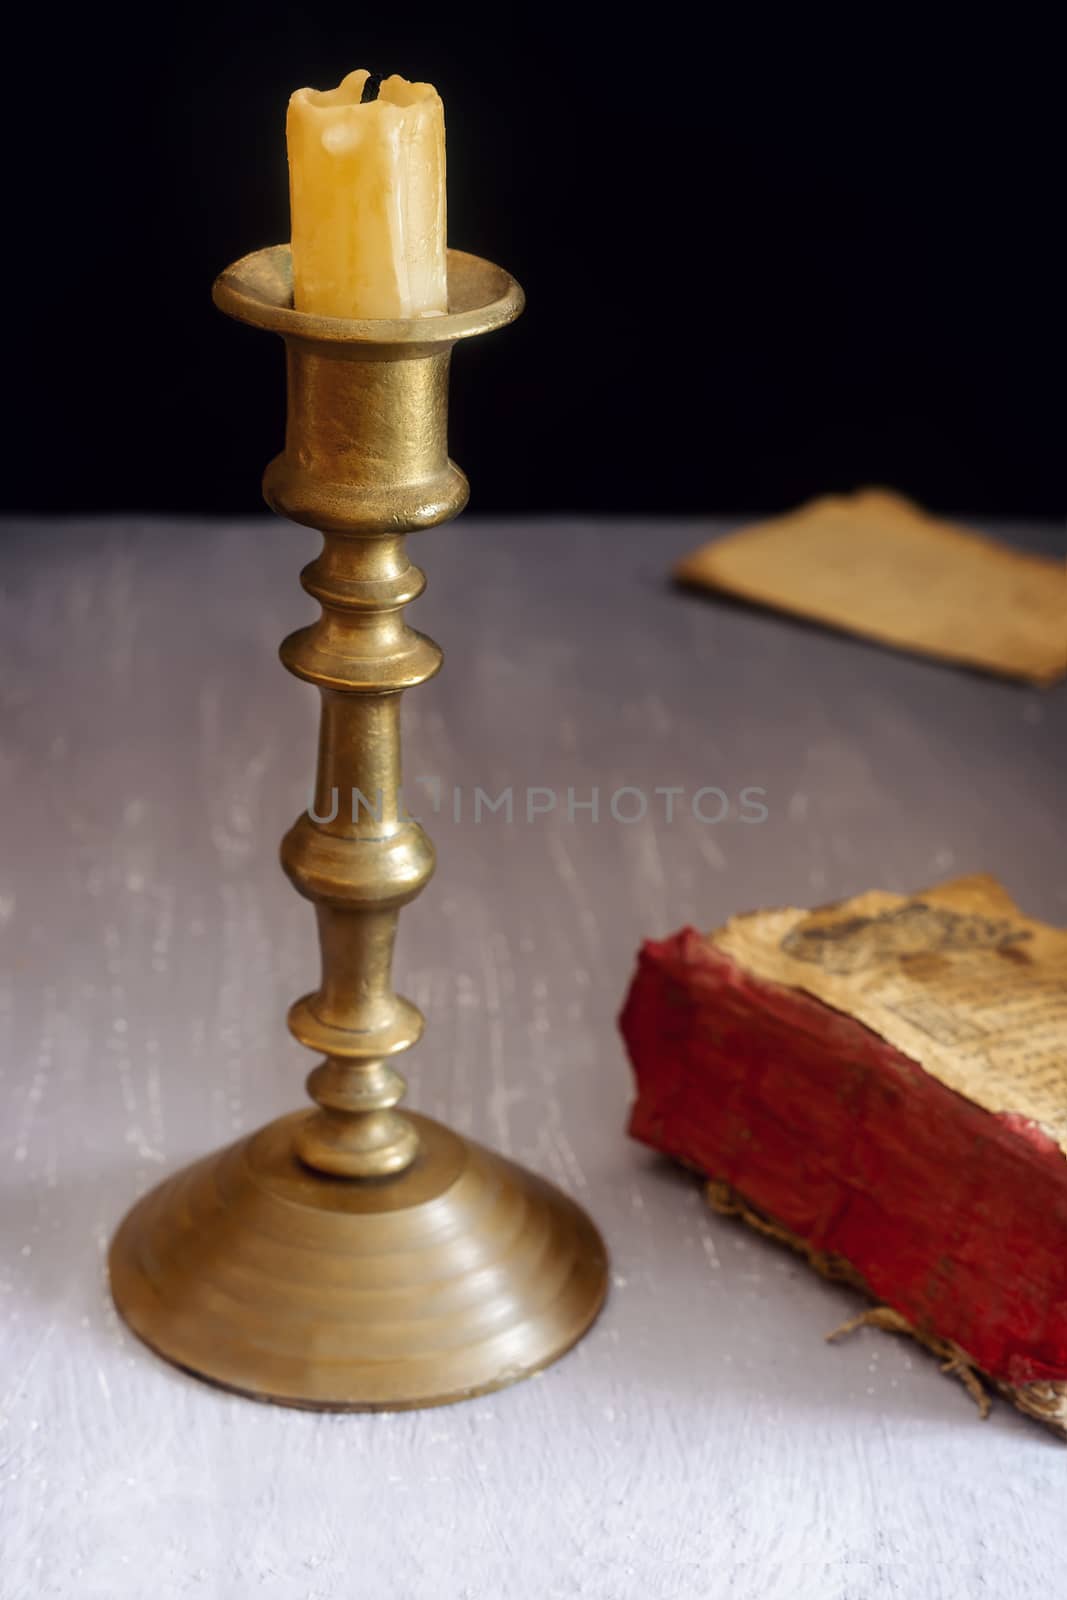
x=371 y=88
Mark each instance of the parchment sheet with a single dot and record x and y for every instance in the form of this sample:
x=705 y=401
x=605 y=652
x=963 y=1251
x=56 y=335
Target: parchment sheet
x=874 y=564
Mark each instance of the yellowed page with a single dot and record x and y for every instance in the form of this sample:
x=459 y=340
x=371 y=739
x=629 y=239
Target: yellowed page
x=955 y=977
x=875 y=564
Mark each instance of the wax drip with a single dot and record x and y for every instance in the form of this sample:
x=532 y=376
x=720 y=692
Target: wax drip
x=371 y=88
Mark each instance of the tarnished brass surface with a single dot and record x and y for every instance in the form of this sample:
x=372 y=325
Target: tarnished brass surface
x=458 y=1276
x=355 y=1256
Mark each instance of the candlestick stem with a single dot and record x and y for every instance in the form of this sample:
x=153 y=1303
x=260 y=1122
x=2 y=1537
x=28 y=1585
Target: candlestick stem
x=355 y=854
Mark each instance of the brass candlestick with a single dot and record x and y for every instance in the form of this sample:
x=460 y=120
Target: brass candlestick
x=354 y=1256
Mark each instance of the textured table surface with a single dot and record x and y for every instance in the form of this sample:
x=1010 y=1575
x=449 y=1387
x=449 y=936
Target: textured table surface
x=703 y=1440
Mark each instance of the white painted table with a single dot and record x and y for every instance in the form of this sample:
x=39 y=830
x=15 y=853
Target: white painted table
x=703 y=1441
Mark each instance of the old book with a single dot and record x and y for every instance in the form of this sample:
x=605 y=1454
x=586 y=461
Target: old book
x=875 y=564
x=882 y=1084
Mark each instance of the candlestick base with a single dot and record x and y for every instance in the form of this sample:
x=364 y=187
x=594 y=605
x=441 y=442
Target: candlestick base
x=457 y=1276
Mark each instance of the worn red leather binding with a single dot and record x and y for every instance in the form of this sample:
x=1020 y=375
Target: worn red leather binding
x=954 y=1216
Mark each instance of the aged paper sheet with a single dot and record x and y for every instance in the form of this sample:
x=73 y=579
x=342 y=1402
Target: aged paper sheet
x=875 y=564
x=954 y=977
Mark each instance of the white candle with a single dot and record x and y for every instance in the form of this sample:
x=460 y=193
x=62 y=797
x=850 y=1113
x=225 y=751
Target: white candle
x=367 y=199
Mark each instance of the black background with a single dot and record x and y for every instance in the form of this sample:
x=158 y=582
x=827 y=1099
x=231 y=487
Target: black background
x=762 y=260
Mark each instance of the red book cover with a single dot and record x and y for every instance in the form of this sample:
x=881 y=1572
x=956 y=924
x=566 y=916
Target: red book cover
x=883 y=1085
